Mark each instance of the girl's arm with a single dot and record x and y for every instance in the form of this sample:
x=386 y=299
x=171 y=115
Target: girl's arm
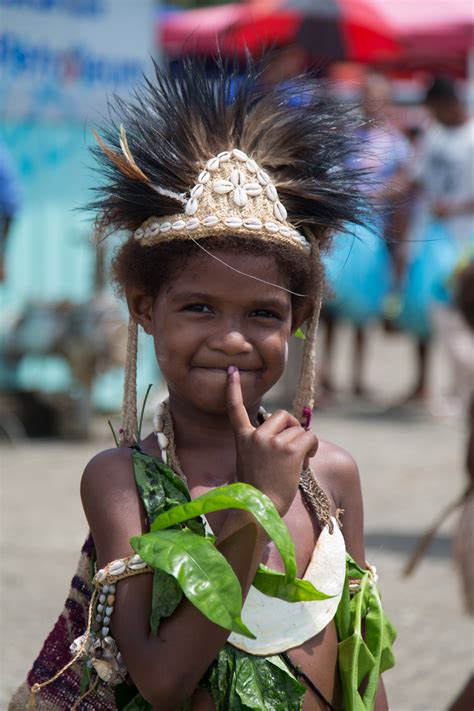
x=166 y=669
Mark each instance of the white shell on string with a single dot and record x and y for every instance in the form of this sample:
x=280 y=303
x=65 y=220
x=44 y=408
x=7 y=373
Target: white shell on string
x=240 y=197
x=271 y=226
x=253 y=223
x=240 y=155
x=138 y=234
x=233 y=222
x=117 y=568
x=154 y=229
x=251 y=166
x=213 y=164
x=193 y=224
x=271 y=192
x=191 y=207
x=210 y=221
x=222 y=187
x=263 y=178
x=204 y=177
x=162 y=439
x=178 y=225
x=279 y=211
x=253 y=189
x=223 y=156
x=197 y=191
x=237 y=177
x=285 y=231
x=165 y=226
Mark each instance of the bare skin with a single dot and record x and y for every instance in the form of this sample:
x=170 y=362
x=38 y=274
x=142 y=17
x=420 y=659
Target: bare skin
x=202 y=323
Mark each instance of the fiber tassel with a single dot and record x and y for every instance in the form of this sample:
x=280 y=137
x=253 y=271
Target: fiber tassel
x=304 y=398
x=128 y=431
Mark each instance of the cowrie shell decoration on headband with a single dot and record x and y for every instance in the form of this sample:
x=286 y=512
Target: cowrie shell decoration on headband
x=231 y=193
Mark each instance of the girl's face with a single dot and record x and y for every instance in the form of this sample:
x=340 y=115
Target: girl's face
x=210 y=317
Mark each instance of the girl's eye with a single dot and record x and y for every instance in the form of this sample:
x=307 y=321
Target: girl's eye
x=198 y=308
x=263 y=313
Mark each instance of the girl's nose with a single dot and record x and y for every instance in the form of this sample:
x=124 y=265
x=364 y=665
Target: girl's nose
x=231 y=341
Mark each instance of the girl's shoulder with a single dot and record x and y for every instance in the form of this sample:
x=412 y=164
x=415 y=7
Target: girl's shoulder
x=336 y=468
x=108 y=469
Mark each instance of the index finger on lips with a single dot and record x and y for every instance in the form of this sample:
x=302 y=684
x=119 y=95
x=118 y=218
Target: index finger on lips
x=236 y=411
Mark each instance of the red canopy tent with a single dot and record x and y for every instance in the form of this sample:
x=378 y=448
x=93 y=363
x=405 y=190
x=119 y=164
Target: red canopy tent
x=326 y=29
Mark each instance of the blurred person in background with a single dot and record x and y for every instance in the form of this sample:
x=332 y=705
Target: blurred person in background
x=360 y=276
x=443 y=225
x=10 y=200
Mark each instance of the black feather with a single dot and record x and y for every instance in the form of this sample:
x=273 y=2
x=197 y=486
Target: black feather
x=176 y=121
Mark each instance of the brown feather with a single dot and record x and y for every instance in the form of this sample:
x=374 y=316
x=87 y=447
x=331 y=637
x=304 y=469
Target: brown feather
x=131 y=171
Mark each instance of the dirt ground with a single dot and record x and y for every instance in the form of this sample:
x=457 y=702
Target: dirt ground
x=411 y=466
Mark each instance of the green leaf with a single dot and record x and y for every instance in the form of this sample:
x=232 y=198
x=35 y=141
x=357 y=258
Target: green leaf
x=238 y=496
x=239 y=681
x=166 y=597
x=299 y=334
x=271 y=582
x=204 y=575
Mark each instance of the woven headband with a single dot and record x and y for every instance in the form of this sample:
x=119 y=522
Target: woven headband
x=231 y=193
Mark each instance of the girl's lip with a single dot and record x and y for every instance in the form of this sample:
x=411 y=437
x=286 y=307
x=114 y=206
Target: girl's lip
x=224 y=369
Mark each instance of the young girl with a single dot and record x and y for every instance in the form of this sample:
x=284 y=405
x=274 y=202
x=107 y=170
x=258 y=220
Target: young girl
x=228 y=193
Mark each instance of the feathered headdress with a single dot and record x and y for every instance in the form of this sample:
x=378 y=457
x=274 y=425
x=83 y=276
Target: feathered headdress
x=195 y=154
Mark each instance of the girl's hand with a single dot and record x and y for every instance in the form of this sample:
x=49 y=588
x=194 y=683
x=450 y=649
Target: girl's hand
x=271 y=457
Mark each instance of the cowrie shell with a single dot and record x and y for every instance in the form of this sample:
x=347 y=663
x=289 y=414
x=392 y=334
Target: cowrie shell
x=222 y=187
x=240 y=155
x=193 y=224
x=138 y=234
x=251 y=166
x=154 y=229
x=137 y=566
x=271 y=226
x=285 y=231
x=197 y=191
x=147 y=232
x=271 y=193
x=117 y=568
x=233 y=222
x=213 y=164
x=203 y=177
x=165 y=226
x=263 y=178
x=253 y=223
x=163 y=441
x=253 y=189
x=178 y=225
x=223 y=156
x=135 y=559
x=191 y=207
x=210 y=221
x=279 y=211
x=101 y=575
x=240 y=197
x=237 y=177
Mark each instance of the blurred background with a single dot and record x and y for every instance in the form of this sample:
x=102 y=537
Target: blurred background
x=396 y=351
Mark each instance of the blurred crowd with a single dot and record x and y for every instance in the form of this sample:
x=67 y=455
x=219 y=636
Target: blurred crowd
x=402 y=269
